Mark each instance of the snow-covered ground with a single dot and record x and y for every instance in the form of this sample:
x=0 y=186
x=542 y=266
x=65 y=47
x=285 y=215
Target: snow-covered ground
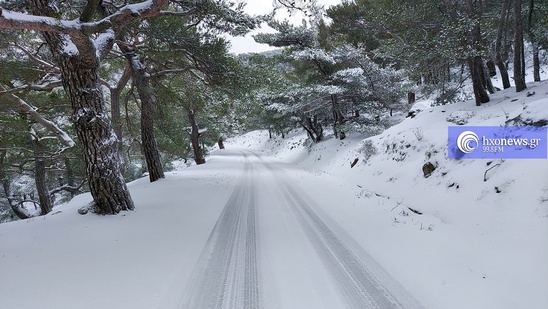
x=474 y=234
x=477 y=243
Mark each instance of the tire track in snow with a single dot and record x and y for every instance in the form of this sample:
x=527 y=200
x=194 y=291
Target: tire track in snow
x=362 y=288
x=226 y=275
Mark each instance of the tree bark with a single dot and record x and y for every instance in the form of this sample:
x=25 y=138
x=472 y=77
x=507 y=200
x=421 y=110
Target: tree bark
x=519 y=57
x=195 y=138
x=98 y=140
x=499 y=59
x=491 y=68
x=221 y=143
x=40 y=180
x=69 y=175
x=115 y=113
x=475 y=63
x=534 y=43
x=79 y=72
x=536 y=62
x=487 y=82
x=411 y=97
x=338 y=118
x=312 y=127
x=141 y=80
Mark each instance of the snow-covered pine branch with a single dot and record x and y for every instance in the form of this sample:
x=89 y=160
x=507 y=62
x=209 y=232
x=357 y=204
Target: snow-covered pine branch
x=77 y=33
x=72 y=189
x=26 y=108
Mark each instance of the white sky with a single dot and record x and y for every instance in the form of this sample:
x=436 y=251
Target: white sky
x=258 y=7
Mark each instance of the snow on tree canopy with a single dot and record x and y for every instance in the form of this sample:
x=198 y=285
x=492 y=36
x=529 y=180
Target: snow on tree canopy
x=349 y=75
x=314 y=54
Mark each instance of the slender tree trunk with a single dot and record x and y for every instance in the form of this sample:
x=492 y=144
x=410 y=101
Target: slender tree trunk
x=141 y=81
x=534 y=42
x=40 y=180
x=69 y=175
x=195 y=138
x=475 y=63
x=338 y=118
x=79 y=72
x=487 y=82
x=221 y=143
x=501 y=30
x=115 y=113
x=536 y=62
x=519 y=57
x=317 y=127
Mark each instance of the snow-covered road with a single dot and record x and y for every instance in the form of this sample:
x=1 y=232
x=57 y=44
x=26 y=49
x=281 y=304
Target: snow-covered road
x=273 y=247
x=241 y=232
x=252 y=231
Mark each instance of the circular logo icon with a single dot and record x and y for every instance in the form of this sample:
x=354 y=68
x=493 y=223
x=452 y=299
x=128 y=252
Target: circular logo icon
x=467 y=141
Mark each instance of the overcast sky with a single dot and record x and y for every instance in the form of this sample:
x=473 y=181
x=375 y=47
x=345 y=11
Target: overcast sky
x=258 y=7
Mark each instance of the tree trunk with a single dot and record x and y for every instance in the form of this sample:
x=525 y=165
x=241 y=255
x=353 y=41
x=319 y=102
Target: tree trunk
x=411 y=97
x=195 y=138
x=98 y=140
x=338 y=118
x=536 y=63
x=475 y=63
x=221 y=143
x=519 y=57
x=491 y=68
x=499 y=59
x=141 y=81
x=46 y=204
x=317 y=127
x=69 y=175
x=534 y=43
x=487 y=82
x=115 y=105
x=79 y=73
x=313 y=128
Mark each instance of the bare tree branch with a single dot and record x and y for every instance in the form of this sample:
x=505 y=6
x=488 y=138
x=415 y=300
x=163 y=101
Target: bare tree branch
x=71 y=189
x=34 y=87
x=33 y=57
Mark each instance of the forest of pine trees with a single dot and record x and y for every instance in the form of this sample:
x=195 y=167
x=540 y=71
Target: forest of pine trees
x=96 y=93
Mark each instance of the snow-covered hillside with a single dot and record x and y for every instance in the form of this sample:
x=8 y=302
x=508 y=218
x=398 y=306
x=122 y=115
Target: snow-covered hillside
x=475 y=230
x=473 y=234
